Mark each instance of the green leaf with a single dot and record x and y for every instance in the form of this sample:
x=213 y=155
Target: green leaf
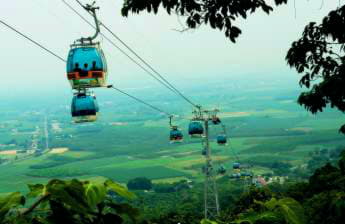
x=206 y=221
x=95 y=193
x=36 y=190
x=71 y=193
x=119 y=189
x=271 y=204
x=292 y=211
x=9 y=202
x=262 y=217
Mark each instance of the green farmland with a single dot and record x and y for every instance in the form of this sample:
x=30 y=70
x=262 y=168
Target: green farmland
x=263 y=128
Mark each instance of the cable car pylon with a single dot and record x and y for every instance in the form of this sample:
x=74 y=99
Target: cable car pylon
x=211 y=203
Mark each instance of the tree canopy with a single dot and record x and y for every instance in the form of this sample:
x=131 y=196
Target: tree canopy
x=218 y=14
x=139 y=183
x=320 y=56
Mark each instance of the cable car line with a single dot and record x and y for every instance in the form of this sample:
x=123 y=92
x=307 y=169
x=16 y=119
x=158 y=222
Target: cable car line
x=148 y=65
x=63 y=60
x=32 y=41
x=117 y=47
x=144 y=61
x=139 y=100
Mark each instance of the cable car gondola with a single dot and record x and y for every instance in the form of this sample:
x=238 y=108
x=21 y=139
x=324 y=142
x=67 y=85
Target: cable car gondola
x=236 y=166
x=176 y=135
x=204 y=152
x=86 y=66
x=246 y=174
x=221 y=170
x=221 y=139
x=235 y=176
x=84 y=108
x=195 y=129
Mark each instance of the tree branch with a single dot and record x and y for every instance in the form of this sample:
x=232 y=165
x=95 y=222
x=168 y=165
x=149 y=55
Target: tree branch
x=34 y=205
x=182 y=30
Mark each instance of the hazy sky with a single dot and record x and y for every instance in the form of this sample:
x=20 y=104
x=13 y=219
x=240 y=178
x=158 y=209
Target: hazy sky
x=203 y=53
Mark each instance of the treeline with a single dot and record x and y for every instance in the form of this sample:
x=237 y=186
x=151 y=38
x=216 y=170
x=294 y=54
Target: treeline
x=319 y=200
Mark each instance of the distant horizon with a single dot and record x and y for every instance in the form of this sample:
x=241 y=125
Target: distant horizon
x=186 y=85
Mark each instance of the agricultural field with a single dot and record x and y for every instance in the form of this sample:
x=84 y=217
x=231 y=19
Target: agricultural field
x=264 y=126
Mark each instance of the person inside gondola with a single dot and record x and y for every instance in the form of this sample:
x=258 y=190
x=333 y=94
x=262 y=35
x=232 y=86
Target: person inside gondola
x=76 y=68
x=94 y=68
x=84 y=72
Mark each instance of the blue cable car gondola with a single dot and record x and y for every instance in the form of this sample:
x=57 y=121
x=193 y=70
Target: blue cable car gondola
x=86 y=66
x=221 y=170
x=235 y=176
x=221 y=139
x=246 y=174
x=236 y=166
x=204 y=152
x=176 y=135
x=84 y=108
x=195 y=129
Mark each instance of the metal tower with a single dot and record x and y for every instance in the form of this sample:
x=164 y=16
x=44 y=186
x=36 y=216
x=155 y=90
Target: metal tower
x=211 y=204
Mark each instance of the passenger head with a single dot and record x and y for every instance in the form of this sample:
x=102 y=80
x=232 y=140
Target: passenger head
x=94 y=64
x=76 y=65
x=86 y=65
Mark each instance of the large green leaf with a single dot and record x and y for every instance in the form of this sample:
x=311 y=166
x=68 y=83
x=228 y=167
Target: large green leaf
x=71 y=193
x=9 y=202
x=271 y=204
x=119 y=189
x=292 y=211
x=206 y=221
x=36 y=190
x=95 y=193
x=259 y=217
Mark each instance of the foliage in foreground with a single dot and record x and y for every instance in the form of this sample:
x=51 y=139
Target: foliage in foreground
x=217 y=14
x=70 y=201
x=320 y=56
x=285 y=210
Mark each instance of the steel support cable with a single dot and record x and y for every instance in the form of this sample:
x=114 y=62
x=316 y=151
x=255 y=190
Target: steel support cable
x=32 y=41
x=140 y=100
x=117 y=47
x=144 y=61
x=149 y=66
